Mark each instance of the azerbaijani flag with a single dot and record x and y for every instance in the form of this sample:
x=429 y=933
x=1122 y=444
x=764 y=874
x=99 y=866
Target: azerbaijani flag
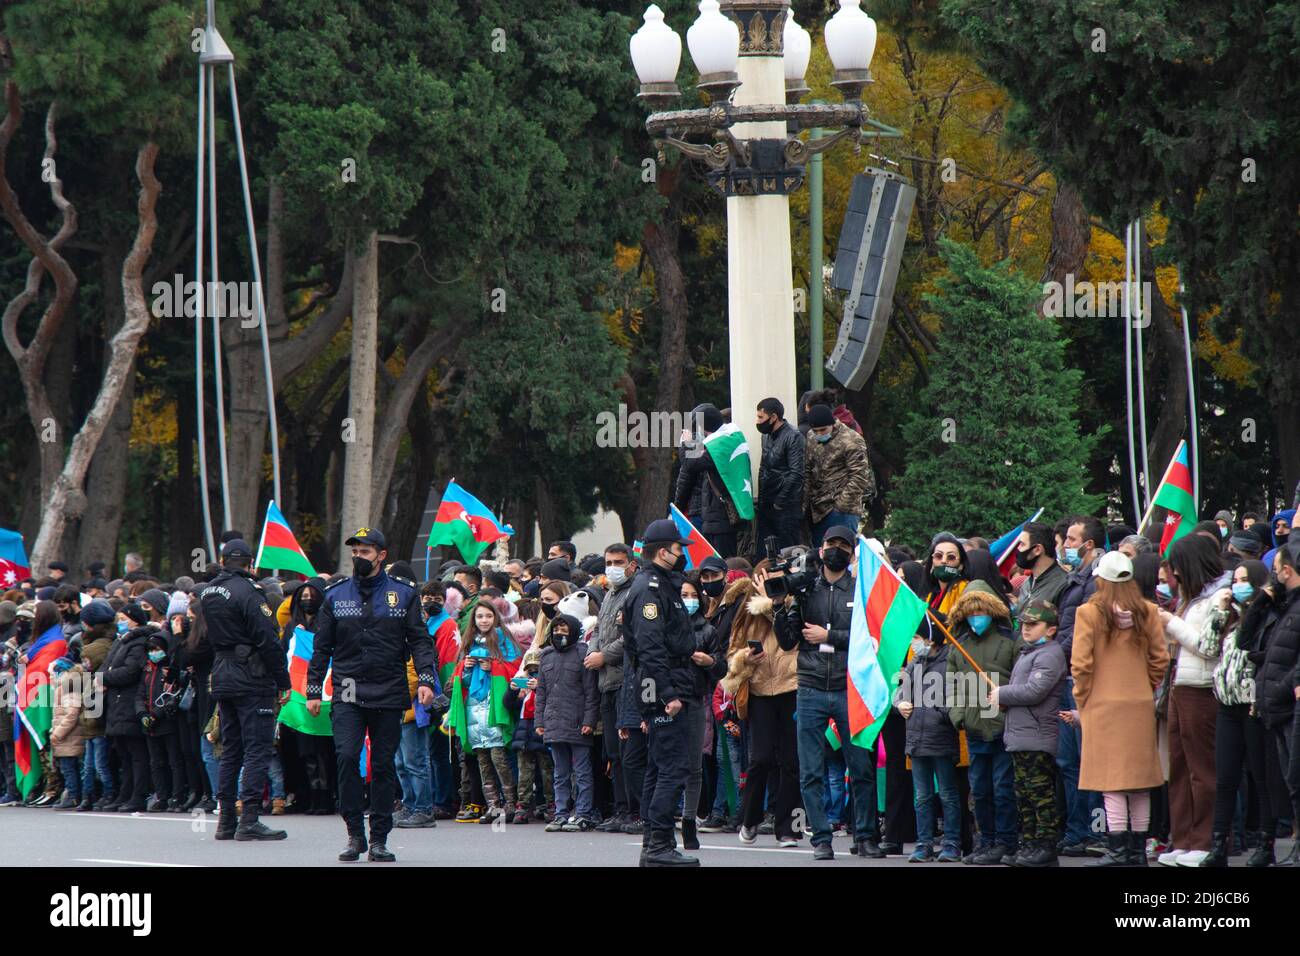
x=885 y=616
x=293 y=714
x=13 y=558
x=699 y=548
x=279 y=548
x=1175 y=494
x=446 y=644
x=833 y=735
x=1004 y=549
x=35 y=711
x=499 y=715
x=730 y=453
x=464 y=521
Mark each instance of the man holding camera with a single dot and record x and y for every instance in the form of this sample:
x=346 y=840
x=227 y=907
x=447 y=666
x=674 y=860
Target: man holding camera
x=249 y=671
x=367 y=625
x=818 y=623
x=658 y=641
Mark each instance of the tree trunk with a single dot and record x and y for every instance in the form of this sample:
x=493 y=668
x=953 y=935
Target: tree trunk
x=1166 y=331
x=1071 y=234
x=548 y=519
x=66 y=499
x=184 y=533
x=397 y=410
x=1287 y=415
x=359 y=462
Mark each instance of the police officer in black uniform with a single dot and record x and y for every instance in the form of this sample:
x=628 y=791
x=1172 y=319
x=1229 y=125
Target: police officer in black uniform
x=250 y=670
x=369 y=624
x=658 y=643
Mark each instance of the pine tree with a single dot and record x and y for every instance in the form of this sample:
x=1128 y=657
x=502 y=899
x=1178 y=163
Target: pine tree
x=994 y=436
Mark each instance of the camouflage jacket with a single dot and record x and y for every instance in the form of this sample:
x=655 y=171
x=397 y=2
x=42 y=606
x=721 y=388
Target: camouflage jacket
x=839 y=475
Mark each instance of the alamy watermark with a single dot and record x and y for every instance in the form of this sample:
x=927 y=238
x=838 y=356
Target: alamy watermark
x=175 y=298
x=1100 y=300
x=637 y=429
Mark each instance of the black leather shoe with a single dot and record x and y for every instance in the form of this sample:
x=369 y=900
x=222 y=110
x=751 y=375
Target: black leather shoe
x=823 y=851
x=891 y=849
x=227 y=823
x=352 y=852
x=870 y=850
x=1038 y=854
x=254 y=829
x=661 y=852
x=1263 y=855
x=380 y=854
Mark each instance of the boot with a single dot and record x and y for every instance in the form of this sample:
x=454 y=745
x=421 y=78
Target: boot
x=1220 y=848
x=1138 y=847
x=227 y=823
x=662 y=851
x=690 y=840
x=1263 y=855
x=1119 y=850
x=379 y=853
x=352 y=852
x=191 y=802
x=277 y=807
x=87 y=803
x=1037 y=853
x=250 y=828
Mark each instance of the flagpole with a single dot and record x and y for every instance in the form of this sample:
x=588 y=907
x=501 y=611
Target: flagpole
x=948 y=634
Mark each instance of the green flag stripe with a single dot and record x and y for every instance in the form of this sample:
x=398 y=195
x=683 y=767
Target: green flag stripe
x=1176 y=499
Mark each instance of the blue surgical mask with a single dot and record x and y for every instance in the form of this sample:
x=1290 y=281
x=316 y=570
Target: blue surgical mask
x=1243 y=592
x=979 y=623
x=1071 y=557
x=823 y=438
x=157 y=656
x=1163 y=590
x=123 y=627
x=692 y=605
x=1223 y=532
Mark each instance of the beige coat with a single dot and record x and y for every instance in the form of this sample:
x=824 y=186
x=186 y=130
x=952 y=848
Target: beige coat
x=1115 y=677
x=776 y=672
x=66 y=731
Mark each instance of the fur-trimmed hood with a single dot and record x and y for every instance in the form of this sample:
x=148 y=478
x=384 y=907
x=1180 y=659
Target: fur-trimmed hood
x=978 y=598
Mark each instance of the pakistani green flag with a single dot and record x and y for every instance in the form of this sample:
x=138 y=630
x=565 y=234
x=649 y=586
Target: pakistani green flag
x=730 y=453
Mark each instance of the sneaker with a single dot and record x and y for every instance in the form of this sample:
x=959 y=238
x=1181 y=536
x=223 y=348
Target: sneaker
x=823 y=851
x=442 y=813
x=840 y=830
x=470 y=813
x=9 y=800
x=207 y=806
x=521 y=815
x=415 y=821
x=748 y=835
x=635 y=826
x=490 y=814
x=1171 y=858
x=1075 y=849
x=891 y=849
x=768 y=826
x=949 y=854
x=556 y=824
x=787 y=841
x=1192 y=857
x=990 y=855
x=922 y=854
x=571 y=824
x=581 y=825
x=613 y=825
x=712 y=824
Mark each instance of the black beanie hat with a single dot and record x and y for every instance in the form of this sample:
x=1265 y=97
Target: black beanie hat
x=819 y=416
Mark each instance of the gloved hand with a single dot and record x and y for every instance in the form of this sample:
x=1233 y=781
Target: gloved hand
x=146 y=721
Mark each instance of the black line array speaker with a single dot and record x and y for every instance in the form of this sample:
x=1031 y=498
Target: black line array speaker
x=866 y=267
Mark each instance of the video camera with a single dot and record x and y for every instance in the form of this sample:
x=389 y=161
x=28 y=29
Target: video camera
x=798 y=570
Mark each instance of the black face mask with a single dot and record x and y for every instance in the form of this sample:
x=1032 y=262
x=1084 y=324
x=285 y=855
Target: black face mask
x=835 y=559
x=765 y=428
x=70 y=616
x=561 y=641
x=433 y=608
x=1026 y=559
x=1281 y=538
x=361 y=567
x=680 y=563
x=549 y=609
x=714 y=588
x=310 y=607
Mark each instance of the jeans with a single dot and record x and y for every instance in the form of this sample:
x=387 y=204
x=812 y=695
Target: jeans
x=573 y=784
x=924 y=771
x=814 y=708
x=443 y=773
x=993 y=783
x=210 y=760
x=831 y=520
x=696 y=715
x=836 y=792
x=783 y=524
x=275 y=773
x=413 y=771
x=1078 y=803
x=70 y=767
x=95 y=764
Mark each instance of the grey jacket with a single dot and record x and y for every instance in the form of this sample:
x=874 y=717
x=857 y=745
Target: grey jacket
x=929 y=731
x=1032 y=697
x=567 y=699
x=608 y=638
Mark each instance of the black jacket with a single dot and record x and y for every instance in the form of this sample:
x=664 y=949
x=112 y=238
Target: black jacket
x=830 y=606
x=567 y=697
x=249 y=661
x=369 y=628
x=1079 y=586
x=153 y=681
x=707 y=640
x=699 y=491
x=123 y=670
x=1275 y=681
x=929 y=730
x=658 y=640
x=781 y=473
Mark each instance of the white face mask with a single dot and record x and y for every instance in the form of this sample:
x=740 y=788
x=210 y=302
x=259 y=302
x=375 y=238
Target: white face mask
x=919 y=646
x=615 y=574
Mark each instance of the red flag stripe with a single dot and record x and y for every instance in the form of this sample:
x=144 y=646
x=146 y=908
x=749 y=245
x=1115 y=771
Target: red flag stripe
x=278 y=536
x=1179 y=477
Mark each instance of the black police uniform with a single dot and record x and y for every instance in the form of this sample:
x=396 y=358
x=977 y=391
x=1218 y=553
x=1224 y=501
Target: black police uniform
x=658 y=643
x=369 y=626
x=248 y=671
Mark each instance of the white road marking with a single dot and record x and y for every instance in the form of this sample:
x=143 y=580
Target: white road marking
x=747 y=849
x=151 y=817
x=131 y=862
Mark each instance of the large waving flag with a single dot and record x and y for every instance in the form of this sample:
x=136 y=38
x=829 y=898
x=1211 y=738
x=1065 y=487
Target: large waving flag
x=35 y=711
x=293 y=714
x=13 y=558
x=1004 y=549
x=464 y=521
x=885 y=616
x=1175 y=494
x=699 y=548
x=279 y=548
x=730 y=453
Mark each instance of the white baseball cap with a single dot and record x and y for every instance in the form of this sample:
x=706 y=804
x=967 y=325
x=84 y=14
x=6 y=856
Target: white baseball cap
x=1114 y=566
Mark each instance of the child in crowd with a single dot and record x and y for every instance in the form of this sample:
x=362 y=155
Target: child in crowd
x=65 y=731
x=1031 y=699
x=568 y=706
x=530 y=750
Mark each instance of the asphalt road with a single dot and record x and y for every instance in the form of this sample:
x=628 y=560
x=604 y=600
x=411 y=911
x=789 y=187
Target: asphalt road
x=40 y=837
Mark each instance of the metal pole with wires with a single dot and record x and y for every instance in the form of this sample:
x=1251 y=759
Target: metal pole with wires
x=199 y=311
x=1128 y=368
x=1191 y=401
x=1143 y=317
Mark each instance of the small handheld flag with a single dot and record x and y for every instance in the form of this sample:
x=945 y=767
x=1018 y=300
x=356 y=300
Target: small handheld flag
x=279 y=548
x=294 y=713
x=730 y=453
x=465 y=522
x=699 y=548
x=13 y=558
x=1175 y=494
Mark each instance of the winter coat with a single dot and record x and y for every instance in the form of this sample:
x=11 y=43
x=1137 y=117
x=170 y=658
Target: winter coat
x=1079 y=586
x=98 y=642
x=123 y=670
x=608 y=639
x=65 y=731
x=1276 y=680
x=1195 y=658
x=1115 y=678
x=839 y=477
x=567 y=696
x=707 y=640
x=776 y=672
x=830 y=606
x=781 y=470
x=1032 y=698
x=700 y=491
x=995 y=653
x=1234 y=674
x=929 y=731
x=1046 y=587
x=154 y=680
x=1287 y=513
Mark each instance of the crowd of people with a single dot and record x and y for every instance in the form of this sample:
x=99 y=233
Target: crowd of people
x=1100 y=699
